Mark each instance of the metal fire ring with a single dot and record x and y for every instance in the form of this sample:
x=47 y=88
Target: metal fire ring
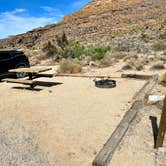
x=105 y=83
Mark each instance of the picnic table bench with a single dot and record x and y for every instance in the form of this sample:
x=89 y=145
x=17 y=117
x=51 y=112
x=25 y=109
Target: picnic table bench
x=33 y=73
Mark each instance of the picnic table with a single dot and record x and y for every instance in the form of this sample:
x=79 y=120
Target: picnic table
x=32 y=73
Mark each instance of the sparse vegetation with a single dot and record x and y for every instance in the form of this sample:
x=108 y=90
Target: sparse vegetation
x=158 y=66
x=163 y=77
x=163 y=35
x=129 y=43
x=127 y=66
x=146 y=37
x=159 y=46
x=106 y=61
x=49 y=49
x=97 y=52
x=32 y=53
x=133 y=63
x=69 y=66
x=75 y=47
x=111 y=58
x=72 y=49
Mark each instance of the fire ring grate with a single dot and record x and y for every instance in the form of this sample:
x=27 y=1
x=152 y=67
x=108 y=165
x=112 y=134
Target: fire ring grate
x=105 y=83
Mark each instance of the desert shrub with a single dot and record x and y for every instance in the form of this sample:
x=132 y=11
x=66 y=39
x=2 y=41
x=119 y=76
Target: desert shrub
x=127 y=67
x=62 y=40
x=97 y=52
x=159 y=46
x=34 y=47
x=49 y=49
x=163 y=35
x=129 y=43
x=29 y=45
x=158 y=66
x=32 y=53
x=72 y=49
x=1 y=46
x=69 y=48
x=126 y=58
x=133 y=64
x=106 y=61
x=69 y=66
x=164 y=53
x=146 y=37
x=111 y=58
x=64 y=48
x=130 y=57
x=139 y=66
x=163 y=77
x=119 y=55
x=75 y=47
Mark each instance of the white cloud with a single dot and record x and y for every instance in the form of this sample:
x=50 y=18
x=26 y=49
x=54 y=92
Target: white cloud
x=19 y=10
x=19 y=21
x=48 y=8
x=52 y=11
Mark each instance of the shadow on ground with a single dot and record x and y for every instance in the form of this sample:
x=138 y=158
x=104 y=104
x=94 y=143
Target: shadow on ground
x=38 y=83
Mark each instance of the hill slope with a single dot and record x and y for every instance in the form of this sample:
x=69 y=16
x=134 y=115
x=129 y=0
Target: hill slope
x=97 y=17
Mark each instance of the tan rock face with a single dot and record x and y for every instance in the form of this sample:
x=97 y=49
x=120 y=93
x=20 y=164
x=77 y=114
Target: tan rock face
x=97 y=17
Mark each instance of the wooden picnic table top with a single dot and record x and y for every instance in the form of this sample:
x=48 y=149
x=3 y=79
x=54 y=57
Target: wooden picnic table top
x=32 y=70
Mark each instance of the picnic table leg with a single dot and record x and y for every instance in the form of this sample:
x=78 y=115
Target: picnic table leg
x=30 y=76
x=32 y=86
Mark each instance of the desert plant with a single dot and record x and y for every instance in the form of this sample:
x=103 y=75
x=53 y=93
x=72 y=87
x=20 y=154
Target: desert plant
x=145 y=37
x=49 y=49
x=62 y=40
x=159 y=46
x=29 y=45
x=133 y=64
x=106 y=61
x=72 y=49
x=163 y=35
x=69 y=66
x=129 y=43
x=97 y=52
x=75 y=47
x=158 y=66
x=127 y=66
x=163 y=77
x=111 y=58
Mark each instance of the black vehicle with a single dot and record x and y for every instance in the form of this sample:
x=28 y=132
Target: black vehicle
x=12 y=59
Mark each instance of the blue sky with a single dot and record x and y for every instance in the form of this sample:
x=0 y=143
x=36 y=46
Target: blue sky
x=19 y=16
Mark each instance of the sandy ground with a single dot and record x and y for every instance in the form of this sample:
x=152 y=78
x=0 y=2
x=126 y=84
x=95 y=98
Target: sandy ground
x=62 y=125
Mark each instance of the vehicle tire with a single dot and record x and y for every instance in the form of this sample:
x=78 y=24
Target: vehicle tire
x=21 y=65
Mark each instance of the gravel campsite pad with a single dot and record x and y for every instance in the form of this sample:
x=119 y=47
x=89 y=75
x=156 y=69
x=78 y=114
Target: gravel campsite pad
x=66 y=124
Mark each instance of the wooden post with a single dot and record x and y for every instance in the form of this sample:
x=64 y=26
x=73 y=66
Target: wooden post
x=162 y=127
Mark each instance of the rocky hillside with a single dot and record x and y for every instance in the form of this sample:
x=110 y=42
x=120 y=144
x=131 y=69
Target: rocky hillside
x=98 y=17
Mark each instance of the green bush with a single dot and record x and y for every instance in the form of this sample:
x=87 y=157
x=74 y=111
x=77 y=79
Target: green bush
x=97 y=52
x=76 y=48
x=159 y=46
x=72 y=49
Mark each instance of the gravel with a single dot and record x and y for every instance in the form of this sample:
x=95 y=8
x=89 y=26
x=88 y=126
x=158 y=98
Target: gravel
x=17 y=146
